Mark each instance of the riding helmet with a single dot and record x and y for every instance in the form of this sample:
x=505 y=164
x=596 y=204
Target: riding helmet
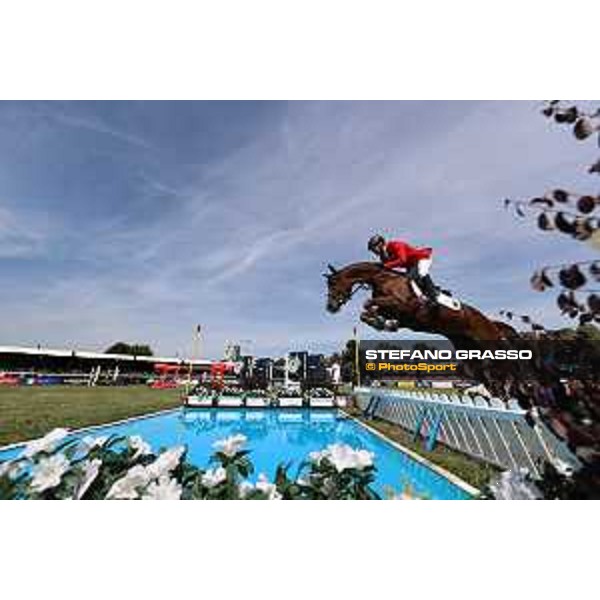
x=374 y=242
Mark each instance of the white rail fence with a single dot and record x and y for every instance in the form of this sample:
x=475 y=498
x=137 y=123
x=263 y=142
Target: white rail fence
x=487 y=429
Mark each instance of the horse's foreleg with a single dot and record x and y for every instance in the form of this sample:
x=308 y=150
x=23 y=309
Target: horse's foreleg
x=370 y=307
x=373 y=320
x=378 y=302
x=388 y=306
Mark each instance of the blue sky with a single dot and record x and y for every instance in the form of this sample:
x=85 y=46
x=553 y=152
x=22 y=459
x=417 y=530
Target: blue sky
x=135 y=220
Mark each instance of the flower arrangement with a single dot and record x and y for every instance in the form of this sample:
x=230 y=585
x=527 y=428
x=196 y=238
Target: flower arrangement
x=60 y=467
x=258 y=393
x=201 y=390
x=320 y=392
x=230 y=390
x=288 y=393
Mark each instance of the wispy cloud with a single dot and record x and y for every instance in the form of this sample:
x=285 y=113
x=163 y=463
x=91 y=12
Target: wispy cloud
x=23 y=234
x=234 y=232
x=96 y=125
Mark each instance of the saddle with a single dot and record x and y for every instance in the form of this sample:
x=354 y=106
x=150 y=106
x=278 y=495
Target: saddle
x=443 y=298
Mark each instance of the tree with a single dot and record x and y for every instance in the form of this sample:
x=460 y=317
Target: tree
x=130 y=349
x=573 y=412
x=587 y=332
x=348 y=361
x=573 y=214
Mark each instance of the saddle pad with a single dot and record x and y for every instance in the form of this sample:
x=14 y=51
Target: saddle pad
x=442 y=298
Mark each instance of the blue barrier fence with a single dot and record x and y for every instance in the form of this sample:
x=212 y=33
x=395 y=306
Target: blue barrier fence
x=488 y=429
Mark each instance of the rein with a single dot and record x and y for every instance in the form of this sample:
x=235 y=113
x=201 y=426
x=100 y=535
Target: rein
x=360 y=286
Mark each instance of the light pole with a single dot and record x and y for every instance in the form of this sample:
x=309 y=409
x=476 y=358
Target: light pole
x=195 y=351
x=356 y=361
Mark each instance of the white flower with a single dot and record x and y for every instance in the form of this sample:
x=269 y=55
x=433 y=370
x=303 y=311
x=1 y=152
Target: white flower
x=90 y=471
x=270 y=489
x=563 y=467
x=166 y=462
x=343 y=457
x=8 y=468
x=137 y=477
x=139 y=445
x=231 y=445
x=45 y=444
x=165 y=489
x=405 y=494
x=317 y=456
x=126 y=487
x=214 y=477
x=246 y=488
x=514 y=485
x=89 y=442
x=48 y=472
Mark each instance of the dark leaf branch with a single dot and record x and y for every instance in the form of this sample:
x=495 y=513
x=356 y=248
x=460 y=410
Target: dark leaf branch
x=525 y=319
x=579 y=223
x=571 y=278
x=583 y=124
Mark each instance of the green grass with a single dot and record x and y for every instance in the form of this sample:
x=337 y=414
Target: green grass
x=472 y=471
x=30 y=412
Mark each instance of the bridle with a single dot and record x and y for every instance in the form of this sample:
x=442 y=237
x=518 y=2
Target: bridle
x=347 y=297
x=339 y=298
x=360 y=286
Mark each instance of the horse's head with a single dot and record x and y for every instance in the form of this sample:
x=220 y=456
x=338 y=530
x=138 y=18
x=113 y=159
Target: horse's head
x=339 y=289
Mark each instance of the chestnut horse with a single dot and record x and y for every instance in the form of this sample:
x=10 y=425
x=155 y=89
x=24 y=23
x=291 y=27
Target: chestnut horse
x=394 y=305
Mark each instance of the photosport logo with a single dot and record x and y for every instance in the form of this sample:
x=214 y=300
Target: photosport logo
x=516 y=359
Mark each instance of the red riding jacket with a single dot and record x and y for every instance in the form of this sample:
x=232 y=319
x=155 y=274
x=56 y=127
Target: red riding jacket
x=401 y=254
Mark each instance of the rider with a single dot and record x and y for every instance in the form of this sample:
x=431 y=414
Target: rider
x=398 y=254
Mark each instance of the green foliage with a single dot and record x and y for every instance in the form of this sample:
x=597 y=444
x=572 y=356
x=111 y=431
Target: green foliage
x=348 y=360
x=586 y=332
x=130 y=349
x=584 y=484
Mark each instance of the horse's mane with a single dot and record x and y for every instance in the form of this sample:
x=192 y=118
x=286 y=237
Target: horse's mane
x=376 y=266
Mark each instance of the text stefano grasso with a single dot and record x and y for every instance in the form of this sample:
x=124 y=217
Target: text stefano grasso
x=373 y=354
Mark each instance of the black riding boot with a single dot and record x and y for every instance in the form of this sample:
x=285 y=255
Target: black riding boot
x=427 y=286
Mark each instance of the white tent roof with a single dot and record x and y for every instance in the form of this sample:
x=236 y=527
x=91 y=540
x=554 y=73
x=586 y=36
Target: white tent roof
x=35 y=351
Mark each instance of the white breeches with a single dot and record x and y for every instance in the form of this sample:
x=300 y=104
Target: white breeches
x=423 y=267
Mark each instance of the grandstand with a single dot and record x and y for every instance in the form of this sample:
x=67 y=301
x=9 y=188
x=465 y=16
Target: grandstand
x=50 y=365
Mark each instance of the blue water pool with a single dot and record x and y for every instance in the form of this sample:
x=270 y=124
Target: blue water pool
x=280 y=436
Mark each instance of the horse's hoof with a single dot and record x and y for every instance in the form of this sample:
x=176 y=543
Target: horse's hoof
x=375 y=323
x=391 y=325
